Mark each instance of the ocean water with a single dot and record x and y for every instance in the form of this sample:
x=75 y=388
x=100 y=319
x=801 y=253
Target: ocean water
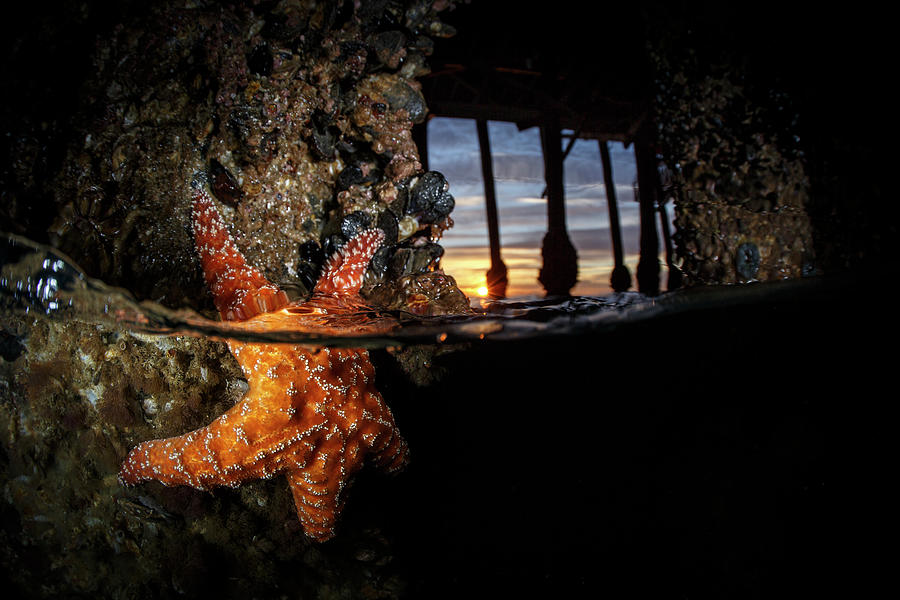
x=584 y=446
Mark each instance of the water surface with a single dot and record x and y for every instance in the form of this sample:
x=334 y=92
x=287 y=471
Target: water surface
x=36 y=278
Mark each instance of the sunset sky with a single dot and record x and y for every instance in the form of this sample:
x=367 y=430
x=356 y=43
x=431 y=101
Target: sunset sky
x=519 y=177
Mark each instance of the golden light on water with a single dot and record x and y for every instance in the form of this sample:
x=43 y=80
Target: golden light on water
x=469 y=265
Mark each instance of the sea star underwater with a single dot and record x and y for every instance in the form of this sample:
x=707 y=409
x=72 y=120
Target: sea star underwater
x=314 y=415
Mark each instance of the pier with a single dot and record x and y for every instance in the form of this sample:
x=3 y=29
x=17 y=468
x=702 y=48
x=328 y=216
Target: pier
x=474 y=78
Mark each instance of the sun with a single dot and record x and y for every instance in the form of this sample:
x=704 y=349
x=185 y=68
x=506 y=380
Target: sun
x=482 y=291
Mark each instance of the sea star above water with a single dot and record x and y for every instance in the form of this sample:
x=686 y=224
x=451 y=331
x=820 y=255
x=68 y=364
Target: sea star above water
x=314 y=415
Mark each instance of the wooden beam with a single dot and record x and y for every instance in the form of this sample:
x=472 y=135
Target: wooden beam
x=559 y=272
x=648 y=264
x=620 y=279
x=620 y=130
x=497 y=274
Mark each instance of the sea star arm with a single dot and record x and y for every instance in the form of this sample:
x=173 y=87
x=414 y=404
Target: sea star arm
x=345 y=270
x=318 y=484
x=257 y=438
x=239 y=290
x=317 y=493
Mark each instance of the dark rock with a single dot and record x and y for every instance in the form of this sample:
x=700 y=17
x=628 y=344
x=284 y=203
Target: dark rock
x=357 y=173
x=223 y=184
x=260 y=60
x=388 y=223
x=311 y=259
x=354 y=223
x=430 y=199
x=401 y=96
x=323 y=136
x=242 y=121
x=354 y=55
x=332 y=243
x=382 y=260
x=351 y=175
x=390 y=48
x=747 y=260
x=412 y=260
x=322 y=143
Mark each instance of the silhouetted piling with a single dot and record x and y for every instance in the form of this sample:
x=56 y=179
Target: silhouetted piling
x=497 y=274
x=620 y=279
x=648 y=264
x=560 y=261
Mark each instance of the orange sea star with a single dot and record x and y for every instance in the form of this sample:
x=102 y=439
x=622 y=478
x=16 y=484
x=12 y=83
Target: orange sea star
x=314 y=415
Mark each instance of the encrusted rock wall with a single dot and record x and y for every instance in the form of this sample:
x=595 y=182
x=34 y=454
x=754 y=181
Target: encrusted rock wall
x=733 y=165
x=299 y=114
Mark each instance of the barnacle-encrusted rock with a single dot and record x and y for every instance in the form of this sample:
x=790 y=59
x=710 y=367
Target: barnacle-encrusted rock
x=428 y=294
x=299 y=112
x=736 y=173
